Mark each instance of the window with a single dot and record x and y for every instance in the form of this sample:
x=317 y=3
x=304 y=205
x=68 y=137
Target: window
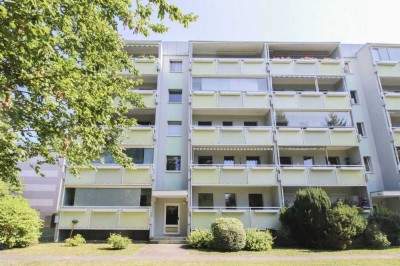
x=230 y=200
x=175 y=96
x=354 y=96
x=145 y=197
x=206 y=200
x=256 y=201
x=335 y=160
x=173 y=163
x=140 y=155
x=347 y=69
x=144 y=123
x=367 y=163
x=250 y=123
x=229 y=160
x=174 y=128
x=285 y=160
x=361 y=129
x=204 y=123
x=227 y=123
x=252 y=160
x=205 y=160
x=308 y=160
x=175 y=66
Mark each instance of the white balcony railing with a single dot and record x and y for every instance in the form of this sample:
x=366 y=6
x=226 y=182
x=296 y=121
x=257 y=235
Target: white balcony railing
x=295 y=136
x=112 y=174
x=230 y=99
x=388 y=68
x=149 y=97
x=212 y=135
x=260 y=175
x=291 y=100
x=322 y=175
x=260 y=218
x=140 y=136
x=101 y=217
x=392 y=101
x=229 y=67
x=332 y=67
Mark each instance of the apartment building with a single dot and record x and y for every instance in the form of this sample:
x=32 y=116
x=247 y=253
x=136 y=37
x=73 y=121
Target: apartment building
x=234 y=129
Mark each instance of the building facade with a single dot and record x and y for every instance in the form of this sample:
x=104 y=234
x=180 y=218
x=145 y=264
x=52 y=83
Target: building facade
x=234 y=129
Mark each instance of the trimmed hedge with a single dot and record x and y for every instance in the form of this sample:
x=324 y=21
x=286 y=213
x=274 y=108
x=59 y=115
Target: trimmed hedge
x=77 y=240
x=229 y=234
x=118 y=242
x=201 y=239
x=258 y=240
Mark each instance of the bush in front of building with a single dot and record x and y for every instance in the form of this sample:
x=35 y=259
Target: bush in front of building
x=373 y=237
x=75 y=241
x=258 y=240
x=228 y=234
x=201 y=239
x=119 y=242
x=344 y=224
x=19 y=224
x=389 y=223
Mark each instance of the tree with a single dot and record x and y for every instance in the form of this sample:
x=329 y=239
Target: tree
x=334 y=121
x=19 y=224
x=59 y=65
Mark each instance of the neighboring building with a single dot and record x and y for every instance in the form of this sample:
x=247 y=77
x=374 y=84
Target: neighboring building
x=234 y=129
x=42 y=192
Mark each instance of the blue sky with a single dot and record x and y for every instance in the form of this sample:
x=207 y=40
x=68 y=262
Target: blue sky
x=347 y=21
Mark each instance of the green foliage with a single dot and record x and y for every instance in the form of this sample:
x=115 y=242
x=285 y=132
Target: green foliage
x=334 y=121
x=59 y=65
x=118 y=242
x=258 y=240
x=19 y=224
x=344 y=223
x=228 y=234
x=307 y=218
x=77 y=240
x=374 y=238
x=389 y=224
x=282 y=238
x=201 y=239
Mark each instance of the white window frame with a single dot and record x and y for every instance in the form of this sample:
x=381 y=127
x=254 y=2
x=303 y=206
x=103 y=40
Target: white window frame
x=173 y=66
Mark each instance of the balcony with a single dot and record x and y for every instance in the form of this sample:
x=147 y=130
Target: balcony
x=338 y=137
x=396 y=136
x=123 y=218
x=287 y=67
x=142 y=175
x=233 y=175
x=262 y=218
x=388 y=68
x=140 y=136
x=149 y=98
x=331 y=101
x=146 y=66
x=322 y=176
x=255 y=67
x=231 y=136
x=213 y=100
x=392 y=100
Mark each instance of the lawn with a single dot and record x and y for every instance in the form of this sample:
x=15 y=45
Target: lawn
x=63 y=249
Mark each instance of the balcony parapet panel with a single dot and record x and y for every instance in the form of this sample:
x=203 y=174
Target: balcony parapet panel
x=112 y=174
x=231 y=136
x=388 y=68
x=307 y=67
x=259 y=218
x=149 y=97
x=396 y=136
x=105 y=217
x=234 y=175
x=228 y=67
x=392 y=101
x=322 y=175
x=140 y=136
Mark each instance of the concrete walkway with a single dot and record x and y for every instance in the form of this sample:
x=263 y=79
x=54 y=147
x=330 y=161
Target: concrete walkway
x=177 y=252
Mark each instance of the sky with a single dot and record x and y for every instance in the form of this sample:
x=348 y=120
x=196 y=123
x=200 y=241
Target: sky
x=346 y=21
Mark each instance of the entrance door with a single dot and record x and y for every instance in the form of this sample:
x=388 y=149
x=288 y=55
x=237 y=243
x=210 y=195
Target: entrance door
x=171 y=213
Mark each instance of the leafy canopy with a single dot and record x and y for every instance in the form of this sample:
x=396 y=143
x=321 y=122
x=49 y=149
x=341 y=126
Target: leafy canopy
x=59 y=65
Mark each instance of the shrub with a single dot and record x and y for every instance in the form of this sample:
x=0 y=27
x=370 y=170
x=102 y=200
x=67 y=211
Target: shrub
x=389 y=223
x=282 y=238
x=344 y=223
x=77 y=240
x=228 y=234
x=258 y=240
x=19 y=224
x=118 y=242
x=201 y=239
x=374 y=238
x=307 y=218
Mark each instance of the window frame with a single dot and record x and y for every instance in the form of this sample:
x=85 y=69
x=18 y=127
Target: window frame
x=174 y=92
x=361 y=126
x=174 y=123
x=262 y=201
x=200 y=195
x=178 y=159
x=233 y=198
x=368 y=164
x=175 y=61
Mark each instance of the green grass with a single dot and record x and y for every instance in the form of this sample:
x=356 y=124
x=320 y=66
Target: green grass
x=63 y=249
x=361 y=262
x=300 y=252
